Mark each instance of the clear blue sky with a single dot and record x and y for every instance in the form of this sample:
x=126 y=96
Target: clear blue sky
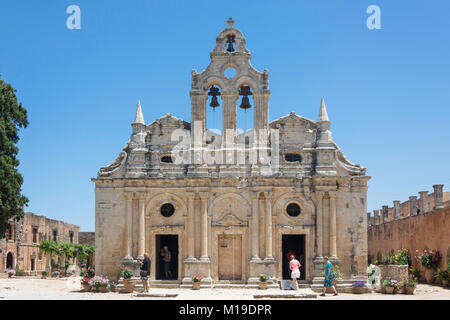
x=387 y=91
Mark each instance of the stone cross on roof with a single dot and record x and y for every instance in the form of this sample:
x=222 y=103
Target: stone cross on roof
x=230 y=22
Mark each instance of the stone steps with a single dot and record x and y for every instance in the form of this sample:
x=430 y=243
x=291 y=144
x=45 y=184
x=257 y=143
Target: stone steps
x=316 y=285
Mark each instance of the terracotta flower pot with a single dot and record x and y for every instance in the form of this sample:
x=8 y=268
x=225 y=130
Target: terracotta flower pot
x=196 y=285
x=44 y=277
x=389 y=290
x=429 y=275
x=129 y=285
x=358 y=290
x=445 y=283
x=409 y=289
x=102 y=289
x=262 y=285
x=86 y=287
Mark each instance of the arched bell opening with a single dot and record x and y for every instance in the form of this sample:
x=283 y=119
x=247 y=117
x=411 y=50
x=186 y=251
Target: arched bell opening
x=214 y=106
x=245 y=113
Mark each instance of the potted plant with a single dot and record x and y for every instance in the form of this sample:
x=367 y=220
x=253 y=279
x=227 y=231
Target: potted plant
x=263 y=281
x=11 y=273
x=415 y=273
x=85 y=284
x=128 y=282
x=336 y=275
x=442 y=275
x=112 y=286
x=448 y=272
x=430 y=260
x=372 y=275
x=44 y=274
x=358 y=287
x=410 y=285
x=99 y=284
x=196 y=282
x=390 y=286
x=55 y=274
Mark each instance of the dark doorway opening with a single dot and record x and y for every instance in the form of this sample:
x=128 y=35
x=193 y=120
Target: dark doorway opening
x=9 y=261
x=293 y=243
x=166 y=270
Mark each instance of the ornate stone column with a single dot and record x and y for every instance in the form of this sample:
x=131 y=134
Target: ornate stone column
x=423 y=201
x=261 y=110
x=333 y=251
x=229 y=126
x=269 y=256
x=190 y=228
x=319 y=218
x=141 y=226
x=204 y=228
x=255 y=226
x=128 y=226
x=438 y=196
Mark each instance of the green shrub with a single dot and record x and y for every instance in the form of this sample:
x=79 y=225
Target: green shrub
x=20 y=272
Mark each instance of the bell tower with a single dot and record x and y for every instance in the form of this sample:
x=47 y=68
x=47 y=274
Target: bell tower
x=230 y=53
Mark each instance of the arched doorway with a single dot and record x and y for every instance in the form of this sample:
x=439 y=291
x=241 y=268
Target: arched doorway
x=9 y=261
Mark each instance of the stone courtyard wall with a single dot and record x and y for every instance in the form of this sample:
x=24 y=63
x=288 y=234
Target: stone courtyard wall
x=429 y=230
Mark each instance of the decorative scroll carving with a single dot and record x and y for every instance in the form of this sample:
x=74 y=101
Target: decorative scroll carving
x=114 y=166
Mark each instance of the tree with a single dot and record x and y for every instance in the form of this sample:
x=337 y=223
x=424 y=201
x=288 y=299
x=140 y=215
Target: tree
x=12 y=117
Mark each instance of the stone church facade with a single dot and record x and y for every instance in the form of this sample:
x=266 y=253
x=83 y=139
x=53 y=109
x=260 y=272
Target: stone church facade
x=231 y=206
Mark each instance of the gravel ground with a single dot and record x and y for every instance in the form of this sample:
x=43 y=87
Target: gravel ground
x=70 y=289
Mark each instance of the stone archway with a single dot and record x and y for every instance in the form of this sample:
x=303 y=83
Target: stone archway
x=10 y=261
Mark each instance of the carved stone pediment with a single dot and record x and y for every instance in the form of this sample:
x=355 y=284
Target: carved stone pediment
x=169 y=121
x=229 y=220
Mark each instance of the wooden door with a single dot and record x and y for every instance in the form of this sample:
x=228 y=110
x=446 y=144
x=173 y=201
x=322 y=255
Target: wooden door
x=230 y=257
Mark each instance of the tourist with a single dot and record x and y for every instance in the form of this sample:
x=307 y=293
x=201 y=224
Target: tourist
x=145 y=271
x=295 y=272
x=167 y=258
x=328 y=282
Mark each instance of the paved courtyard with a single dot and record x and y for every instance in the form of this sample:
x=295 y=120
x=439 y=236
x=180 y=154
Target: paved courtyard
x=70 y=289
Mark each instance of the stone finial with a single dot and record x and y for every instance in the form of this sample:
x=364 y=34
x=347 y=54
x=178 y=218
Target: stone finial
x=396 y=209
x=323 y=115
x=423 y=201
x=412 y=205
x=230 y=22
x=139 y=117
x=438 y=196
x=385 y=210
x=378 y=216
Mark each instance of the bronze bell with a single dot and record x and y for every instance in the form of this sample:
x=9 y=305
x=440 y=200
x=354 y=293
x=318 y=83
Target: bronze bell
x=245 y=104
x=230 y=41
x=245 y=91
x=214 y=92
x=214 y=102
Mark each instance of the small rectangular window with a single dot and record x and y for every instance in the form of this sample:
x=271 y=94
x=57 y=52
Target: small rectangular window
x=35 y=234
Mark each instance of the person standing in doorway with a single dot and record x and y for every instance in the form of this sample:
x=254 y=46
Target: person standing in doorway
x=295 y=272
x=167 y=258
x=328 y=281
x=145 y=271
